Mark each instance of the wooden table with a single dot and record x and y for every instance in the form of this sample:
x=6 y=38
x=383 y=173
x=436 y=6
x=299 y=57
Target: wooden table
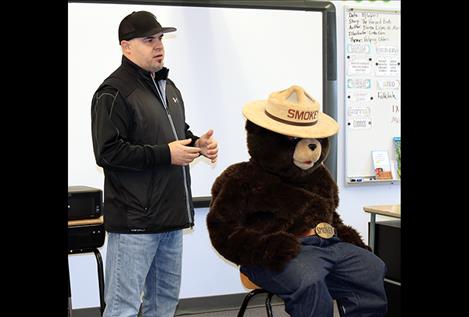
x=82 y=222
x=382 y=210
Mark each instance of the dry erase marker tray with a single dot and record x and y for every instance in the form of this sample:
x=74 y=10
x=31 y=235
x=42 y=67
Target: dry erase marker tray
x=370 y=180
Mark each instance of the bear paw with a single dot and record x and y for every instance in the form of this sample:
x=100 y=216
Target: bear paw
x=280 y=248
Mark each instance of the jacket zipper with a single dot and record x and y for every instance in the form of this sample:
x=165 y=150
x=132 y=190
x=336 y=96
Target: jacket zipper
x=163 y=100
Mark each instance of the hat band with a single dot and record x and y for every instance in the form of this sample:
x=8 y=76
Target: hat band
x=302 y=124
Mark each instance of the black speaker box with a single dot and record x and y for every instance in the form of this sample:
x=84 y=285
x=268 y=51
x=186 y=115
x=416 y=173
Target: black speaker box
x=388 y=247
x=84 y=202
x=393 y=293
x=84 y=238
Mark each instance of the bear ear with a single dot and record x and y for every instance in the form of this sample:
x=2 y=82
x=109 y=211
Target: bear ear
x=252 y=127
x=324 y=147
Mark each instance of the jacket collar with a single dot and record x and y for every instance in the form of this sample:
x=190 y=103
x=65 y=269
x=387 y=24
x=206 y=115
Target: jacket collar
x=159 y=75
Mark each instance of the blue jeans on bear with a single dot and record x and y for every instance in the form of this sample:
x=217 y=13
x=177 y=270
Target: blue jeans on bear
x=324 y=270
x=143 y=263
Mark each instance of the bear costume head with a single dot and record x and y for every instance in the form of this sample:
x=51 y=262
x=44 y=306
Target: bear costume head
x=260 y=208
x=289 y=120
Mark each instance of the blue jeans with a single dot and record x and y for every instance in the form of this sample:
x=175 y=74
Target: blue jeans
x=324 y=270
x=143 y=263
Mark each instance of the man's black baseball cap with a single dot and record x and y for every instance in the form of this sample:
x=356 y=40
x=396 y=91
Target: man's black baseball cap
x=140 y=24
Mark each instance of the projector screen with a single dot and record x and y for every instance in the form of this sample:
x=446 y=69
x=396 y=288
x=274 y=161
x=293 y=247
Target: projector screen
x=219 y=57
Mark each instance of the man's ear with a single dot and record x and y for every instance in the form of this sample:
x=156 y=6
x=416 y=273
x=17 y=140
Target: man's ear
x=125 y=45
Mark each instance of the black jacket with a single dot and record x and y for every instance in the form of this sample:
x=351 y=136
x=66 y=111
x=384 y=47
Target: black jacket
x=131 y=130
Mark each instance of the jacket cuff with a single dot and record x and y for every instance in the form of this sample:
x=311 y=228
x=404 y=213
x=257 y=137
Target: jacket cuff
x=162 y=154
x=194 y=138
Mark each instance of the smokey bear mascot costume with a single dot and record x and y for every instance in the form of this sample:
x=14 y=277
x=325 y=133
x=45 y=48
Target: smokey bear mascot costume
x=275 y=215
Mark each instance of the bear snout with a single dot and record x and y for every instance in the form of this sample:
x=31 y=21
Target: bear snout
x=307 y=153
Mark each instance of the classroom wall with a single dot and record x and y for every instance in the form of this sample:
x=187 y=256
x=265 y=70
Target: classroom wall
x=201 y=263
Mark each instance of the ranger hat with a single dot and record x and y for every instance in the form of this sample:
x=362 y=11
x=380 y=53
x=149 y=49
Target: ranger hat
x=140 y=24
x=291 y=112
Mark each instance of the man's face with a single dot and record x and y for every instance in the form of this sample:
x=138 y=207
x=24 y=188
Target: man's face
x=146 y=52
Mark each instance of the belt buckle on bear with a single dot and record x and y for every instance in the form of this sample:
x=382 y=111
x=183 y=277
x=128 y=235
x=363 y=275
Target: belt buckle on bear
x=324 y=230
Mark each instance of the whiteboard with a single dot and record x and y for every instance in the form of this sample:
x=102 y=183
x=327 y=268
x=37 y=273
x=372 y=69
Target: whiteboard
x=372 y=90
x=220 y=58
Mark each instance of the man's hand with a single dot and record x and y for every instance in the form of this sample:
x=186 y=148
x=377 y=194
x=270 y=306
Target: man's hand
x=208 y=146
x=181 y=154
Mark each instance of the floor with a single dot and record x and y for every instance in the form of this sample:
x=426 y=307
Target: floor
x=277 y=310
x=252 y=311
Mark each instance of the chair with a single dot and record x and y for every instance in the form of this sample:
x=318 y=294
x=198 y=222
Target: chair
x=255 y=289
x=247 y=283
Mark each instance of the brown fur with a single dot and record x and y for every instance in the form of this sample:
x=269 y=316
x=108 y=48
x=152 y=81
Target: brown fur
x=259 y=207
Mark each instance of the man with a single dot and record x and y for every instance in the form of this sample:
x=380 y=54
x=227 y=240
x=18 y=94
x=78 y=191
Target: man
x=144 y=145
